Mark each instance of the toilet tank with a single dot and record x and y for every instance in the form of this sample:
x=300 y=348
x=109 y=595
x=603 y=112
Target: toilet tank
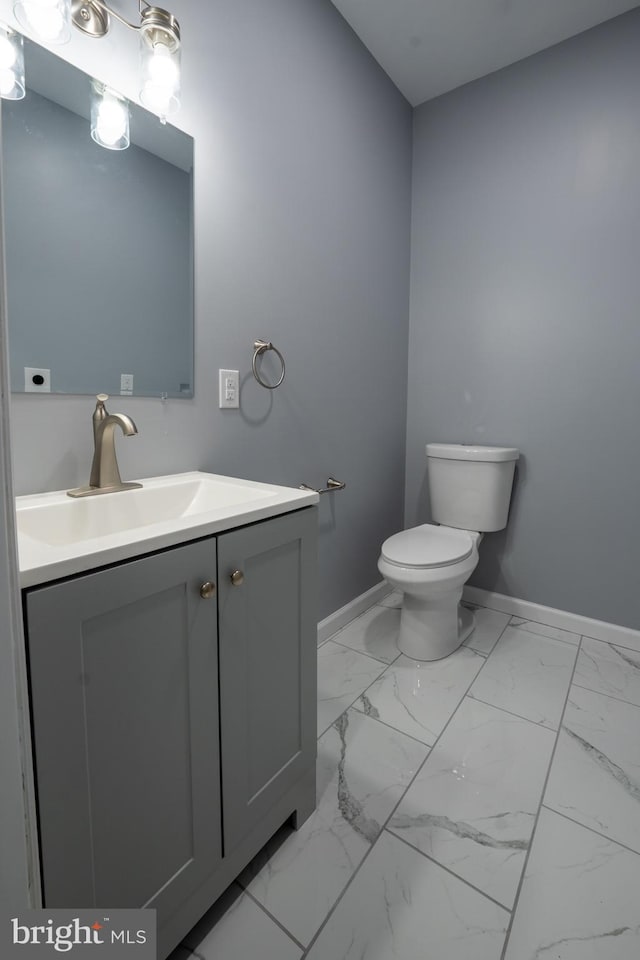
x=470 y=486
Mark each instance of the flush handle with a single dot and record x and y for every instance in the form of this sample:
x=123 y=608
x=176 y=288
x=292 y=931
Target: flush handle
x=207 y=590
x=237 y=578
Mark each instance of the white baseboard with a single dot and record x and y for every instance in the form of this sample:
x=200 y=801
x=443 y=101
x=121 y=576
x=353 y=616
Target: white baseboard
x=598 y=629
x=339 y=618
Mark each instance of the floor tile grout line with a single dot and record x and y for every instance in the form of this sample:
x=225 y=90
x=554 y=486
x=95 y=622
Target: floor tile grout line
x=611 y=643
x=272 y=917
x=518 y=716
x=369 y=685
x=448 y=870
x=348 y=623
x=496 y=642
x=389 y=726
x=609 y=696
x=516 y=900
x=353 y=620
x=583 y=636
x=543 y=636
x=400 y=799
x=543 y=623
x=481 y=653
x=382 y=672
x=598 y=833
x=373 y=659
x=522 y=626
x=387 y=663
x=359 y=652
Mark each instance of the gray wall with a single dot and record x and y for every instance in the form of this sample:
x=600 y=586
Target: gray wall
x=302 y=209
x=524 y=330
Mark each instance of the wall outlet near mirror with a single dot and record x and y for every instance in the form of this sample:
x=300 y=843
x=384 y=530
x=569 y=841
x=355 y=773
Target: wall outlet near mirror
x=37 y=380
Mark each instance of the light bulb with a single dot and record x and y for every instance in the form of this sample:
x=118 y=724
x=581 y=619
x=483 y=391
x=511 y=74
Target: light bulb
x=160 y=69
x=109 y=118
x=112 y=121
x=49 y=20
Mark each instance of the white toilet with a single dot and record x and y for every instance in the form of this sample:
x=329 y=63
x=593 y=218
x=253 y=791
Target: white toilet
x=470 y=490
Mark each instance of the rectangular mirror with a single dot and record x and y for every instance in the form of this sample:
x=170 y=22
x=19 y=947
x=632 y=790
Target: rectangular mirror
x=99 y=243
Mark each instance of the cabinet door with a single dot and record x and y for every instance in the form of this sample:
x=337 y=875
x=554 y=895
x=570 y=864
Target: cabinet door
x=268 y=648
x=123 y=667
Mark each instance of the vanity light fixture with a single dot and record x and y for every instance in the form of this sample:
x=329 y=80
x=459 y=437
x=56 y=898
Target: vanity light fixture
x=159 y=33
x=109 y=117
x=11 y=64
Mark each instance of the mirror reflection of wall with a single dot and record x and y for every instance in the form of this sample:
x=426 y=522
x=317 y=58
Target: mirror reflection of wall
x=99 y=243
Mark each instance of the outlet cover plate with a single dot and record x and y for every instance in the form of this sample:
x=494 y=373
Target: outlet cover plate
x=37 y=380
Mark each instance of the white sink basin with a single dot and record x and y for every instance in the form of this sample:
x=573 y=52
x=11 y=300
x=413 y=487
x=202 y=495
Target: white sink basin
x=61 y=521
x=58 y=535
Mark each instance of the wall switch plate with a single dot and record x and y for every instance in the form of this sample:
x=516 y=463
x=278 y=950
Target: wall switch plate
x=229 y=389
x=37 y=380
x=126 y=384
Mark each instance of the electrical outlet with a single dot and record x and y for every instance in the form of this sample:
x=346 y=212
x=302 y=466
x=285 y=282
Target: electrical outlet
x=229 y=389
x=126 y=384
x=37 y=380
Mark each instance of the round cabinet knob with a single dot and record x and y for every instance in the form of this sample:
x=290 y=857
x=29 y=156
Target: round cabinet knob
x=237 y=578
x=207 y=590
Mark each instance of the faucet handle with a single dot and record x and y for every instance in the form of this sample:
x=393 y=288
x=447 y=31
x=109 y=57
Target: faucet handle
x=99 y=414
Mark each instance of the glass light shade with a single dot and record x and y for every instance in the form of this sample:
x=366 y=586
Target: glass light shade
x=159 y=75
x=12 y=85
x=48 y=20
x=109 y=117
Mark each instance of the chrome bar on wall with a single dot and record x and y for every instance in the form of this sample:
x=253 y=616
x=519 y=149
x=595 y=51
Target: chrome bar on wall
x=331 y=487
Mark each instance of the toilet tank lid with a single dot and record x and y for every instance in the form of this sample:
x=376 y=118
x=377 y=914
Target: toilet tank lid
x=469 y=451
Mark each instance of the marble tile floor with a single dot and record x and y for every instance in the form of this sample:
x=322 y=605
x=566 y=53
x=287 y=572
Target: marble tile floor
x=482 y=807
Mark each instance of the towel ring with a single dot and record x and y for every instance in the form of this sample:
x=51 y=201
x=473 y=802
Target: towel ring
x=259 y=347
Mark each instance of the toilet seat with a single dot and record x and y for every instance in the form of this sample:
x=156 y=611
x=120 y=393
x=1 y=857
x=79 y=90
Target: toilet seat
x=428 y=546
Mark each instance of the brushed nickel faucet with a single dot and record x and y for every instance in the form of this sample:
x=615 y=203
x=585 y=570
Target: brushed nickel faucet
x=105 y=475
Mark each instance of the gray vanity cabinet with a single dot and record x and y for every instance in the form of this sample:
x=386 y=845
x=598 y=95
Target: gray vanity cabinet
x=174 y=726
x=267 y=623
x=123 y=671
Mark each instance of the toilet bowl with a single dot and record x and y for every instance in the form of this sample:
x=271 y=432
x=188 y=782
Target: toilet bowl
x=430 y=565
x=470 y=490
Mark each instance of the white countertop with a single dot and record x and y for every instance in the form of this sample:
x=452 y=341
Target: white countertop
x=59 y=536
